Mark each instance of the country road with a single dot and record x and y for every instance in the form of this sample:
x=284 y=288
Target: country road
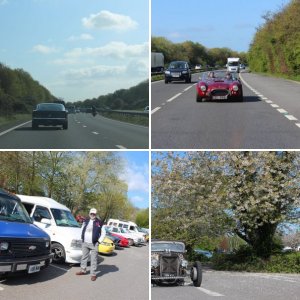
x=84 y=132
x=234 y=286
x=269 y=117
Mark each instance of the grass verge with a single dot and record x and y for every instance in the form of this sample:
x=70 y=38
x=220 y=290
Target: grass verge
x=6 y=122
x=137 y=120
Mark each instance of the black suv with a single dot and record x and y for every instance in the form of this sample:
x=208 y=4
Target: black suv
x=178 y=70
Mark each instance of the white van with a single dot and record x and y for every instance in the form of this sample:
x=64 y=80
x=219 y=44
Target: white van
x=58 y=221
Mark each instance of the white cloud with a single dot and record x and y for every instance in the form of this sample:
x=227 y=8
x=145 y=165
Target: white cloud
x=44 y=49
x=108 y=20
x=82 y=37
x=112 y=49
x=137 y=178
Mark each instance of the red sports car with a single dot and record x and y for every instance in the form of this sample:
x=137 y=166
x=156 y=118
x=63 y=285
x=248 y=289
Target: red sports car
x=219 y=85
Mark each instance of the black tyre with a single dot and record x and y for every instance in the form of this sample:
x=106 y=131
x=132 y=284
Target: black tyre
x=198 y=98
x=59 y=254
x=65 y=126
x=196 y=274
x=166 y=81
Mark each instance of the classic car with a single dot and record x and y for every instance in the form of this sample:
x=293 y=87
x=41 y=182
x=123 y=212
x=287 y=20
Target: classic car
x=120 y=241
x=137 y=241
x=219 y=85
x=178 y=70
x=50 y=114
x=169 y=266
x=107 y=246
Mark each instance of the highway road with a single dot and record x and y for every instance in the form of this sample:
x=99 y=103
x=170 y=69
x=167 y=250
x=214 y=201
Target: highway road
x=122 y=276
x=84 y=132
x=234 y=286
x=269 y=117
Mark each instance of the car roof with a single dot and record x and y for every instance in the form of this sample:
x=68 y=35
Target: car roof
x=163 y=242
x=45 y=201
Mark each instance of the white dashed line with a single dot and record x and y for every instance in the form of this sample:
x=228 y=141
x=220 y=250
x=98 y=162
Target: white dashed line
x=1 y=288
x=174 y=97
x=291 y=118
x=264 y=98
x=94 y=132
x=78 y=122
x=155 y=109
x=188 y=88
x=274 y=105
x=269 y=101
x=121 y=147
x=84 y=126
x=282 y=111
x=298 y=124
x=210 y=293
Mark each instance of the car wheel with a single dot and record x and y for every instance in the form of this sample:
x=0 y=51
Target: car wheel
x=59 y=254
x=65 y=126
x=196 y=274
x=198 y=98
x=166 y=81
x=130 y=242
x=34 y=125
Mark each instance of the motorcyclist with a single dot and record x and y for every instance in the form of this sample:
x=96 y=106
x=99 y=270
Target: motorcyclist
x=94 y=111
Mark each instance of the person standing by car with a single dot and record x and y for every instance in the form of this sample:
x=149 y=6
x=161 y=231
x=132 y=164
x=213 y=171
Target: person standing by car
x=92 y=234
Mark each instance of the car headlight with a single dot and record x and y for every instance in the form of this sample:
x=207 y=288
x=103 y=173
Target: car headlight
x=235 y=88
x=184 y=263
x=4 y=246
x=167 y=72
x=154 y=262
x=105 y=244
x=203 y=88
x=76 y=244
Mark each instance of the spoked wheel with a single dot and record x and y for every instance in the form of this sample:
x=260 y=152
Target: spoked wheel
x=59 y=253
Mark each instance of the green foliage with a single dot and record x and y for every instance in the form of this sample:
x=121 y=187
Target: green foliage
x=134 y=98
x=142 y=218
x=276 y=45
x=246 y=260
x=194 y=53
x=19 y=92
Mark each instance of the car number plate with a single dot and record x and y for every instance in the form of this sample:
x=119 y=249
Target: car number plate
x=34 y=268
x=176 y=74
x=219 y=97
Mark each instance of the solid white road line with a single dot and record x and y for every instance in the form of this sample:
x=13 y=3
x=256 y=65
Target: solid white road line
x=155 y=109
x=13 y=128
x=210 y=293
x=174 y=97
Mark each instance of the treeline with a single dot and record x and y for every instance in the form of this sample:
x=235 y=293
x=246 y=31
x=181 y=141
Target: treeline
x=276 y=45
x=134 y=98
x=194 y=53
x=79 y=180
x=19 y=92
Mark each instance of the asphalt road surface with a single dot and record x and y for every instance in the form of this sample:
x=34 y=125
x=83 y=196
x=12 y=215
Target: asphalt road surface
x=84 y=132
x=123 y=276
x=269 y=117
x=234 y=286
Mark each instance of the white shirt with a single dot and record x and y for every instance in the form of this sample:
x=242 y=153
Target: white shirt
x=88 y=235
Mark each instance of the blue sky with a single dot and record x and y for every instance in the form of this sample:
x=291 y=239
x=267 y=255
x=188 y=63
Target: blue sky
x=214 y=24
x=137 y=177
x=77 y=49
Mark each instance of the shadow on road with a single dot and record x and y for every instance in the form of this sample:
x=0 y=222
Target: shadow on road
x=246 y=99
x=105 y=269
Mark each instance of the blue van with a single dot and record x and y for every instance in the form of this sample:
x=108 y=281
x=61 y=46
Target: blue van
x=23 y=246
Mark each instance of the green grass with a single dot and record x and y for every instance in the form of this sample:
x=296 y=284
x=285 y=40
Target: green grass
x=13 y=120
x=277 y=75
x=137 y=120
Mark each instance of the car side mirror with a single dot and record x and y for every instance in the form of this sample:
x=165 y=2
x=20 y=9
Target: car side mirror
x=46 y=221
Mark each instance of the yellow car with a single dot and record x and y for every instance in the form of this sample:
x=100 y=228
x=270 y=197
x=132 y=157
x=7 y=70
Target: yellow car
x=107 y=246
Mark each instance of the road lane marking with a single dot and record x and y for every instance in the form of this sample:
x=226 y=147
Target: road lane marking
x=264 y=98
x=282 y=111
x=1 y=288
x=269 y=101
x=291 y=118
x=13 y=128
x=155 y=109
x=274 y=105
x=84 y=126
x=95 y=132
x=188 y=88
x=210 y=293
x=174 y=97
x=121 y=147
x=298 y=124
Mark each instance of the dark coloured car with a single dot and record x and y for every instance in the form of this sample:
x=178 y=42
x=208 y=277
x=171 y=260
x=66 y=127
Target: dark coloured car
x=178 y=70
x=169 y=266
x=219 y=85
x=50 y=114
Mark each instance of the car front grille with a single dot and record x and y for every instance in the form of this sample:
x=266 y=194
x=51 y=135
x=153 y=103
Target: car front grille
x=219 y=92
x=169 y=265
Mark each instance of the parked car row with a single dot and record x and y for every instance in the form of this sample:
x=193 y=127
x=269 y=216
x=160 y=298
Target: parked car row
x=39 y=230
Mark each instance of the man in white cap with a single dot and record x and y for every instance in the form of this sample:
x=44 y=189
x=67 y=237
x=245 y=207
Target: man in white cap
x=92 y=234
